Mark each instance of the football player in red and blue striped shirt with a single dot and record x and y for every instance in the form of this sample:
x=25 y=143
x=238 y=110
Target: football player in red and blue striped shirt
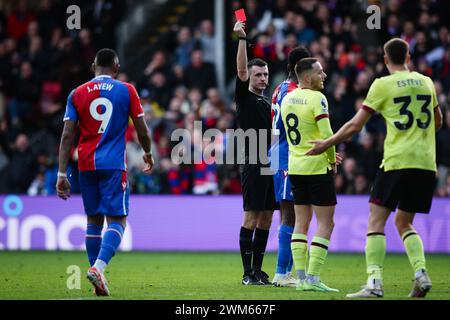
x=101 y=108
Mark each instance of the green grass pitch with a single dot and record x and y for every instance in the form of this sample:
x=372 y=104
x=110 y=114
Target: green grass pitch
x=188 y=276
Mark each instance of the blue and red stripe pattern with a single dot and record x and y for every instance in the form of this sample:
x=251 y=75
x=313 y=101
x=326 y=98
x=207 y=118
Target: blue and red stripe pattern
x=282 y=147
x=102 y=107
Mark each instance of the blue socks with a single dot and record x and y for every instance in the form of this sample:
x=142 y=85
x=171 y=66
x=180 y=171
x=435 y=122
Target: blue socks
x=284 y=258
x=93 y=241
x=111 y=241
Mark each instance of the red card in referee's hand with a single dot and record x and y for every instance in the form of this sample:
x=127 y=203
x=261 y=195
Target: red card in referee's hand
x=240 y=15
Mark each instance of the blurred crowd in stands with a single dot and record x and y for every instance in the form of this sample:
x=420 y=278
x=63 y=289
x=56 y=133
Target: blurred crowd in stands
x=41 y=62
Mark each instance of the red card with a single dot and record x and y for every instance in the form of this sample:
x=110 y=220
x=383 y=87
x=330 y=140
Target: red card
x=240 y=15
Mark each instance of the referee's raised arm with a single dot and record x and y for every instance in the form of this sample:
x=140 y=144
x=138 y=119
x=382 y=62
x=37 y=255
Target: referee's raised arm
x=241 y=58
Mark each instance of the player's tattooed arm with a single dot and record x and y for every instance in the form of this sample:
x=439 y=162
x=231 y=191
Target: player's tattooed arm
x=145 y=141
x=143 y=134
x=65 y=146
x=63 y=184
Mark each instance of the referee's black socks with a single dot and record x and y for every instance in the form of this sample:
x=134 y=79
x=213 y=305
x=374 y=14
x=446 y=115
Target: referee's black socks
x=259 y=247
x=245 y=244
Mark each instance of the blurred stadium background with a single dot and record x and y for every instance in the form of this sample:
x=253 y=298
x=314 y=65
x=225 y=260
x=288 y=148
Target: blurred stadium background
x=180 y=54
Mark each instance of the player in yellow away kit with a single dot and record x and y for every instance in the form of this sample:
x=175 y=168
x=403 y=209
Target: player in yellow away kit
x=305 y=117
x=406 y=178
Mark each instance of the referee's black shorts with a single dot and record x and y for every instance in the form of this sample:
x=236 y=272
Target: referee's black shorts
x=317 y=189
x=257 y=190
x=409 y=189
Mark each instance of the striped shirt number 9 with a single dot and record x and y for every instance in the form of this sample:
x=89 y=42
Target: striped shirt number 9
x=103 y=117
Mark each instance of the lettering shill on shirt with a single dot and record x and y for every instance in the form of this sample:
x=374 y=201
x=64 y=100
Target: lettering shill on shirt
x=102 y=107
x=305 y=117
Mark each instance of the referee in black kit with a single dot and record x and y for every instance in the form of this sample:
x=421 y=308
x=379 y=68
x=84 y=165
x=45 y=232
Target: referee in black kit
x=254 y=112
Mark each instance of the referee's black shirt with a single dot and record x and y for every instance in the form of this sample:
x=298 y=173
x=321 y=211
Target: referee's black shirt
x=253 y=112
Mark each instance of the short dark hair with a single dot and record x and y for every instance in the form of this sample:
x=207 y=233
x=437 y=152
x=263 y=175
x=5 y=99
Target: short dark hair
x=106 y=58
x=256 y=62
x=396 y=49
x=304 y=65
x=297 y=54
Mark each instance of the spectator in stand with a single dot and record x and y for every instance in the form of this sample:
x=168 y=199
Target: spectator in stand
x=393 y=27
x=25 y=94
x=4 y=161
x=205 y=36
x=254 y=13
x=199 y=73
x=45 y=180
x=213 y=100
x=18 y=21
x=369 y=158
x=32 y=32
x=18 y=179
x=265 y=49
x=181 y=92
x=48 y=19
x=185 y=47
x=349 y=175
x=361 y=185
x=71 y=68
x=153 y=111
x=195 y=98
x=285 y=47
x=322 y=20
x=87 y=48
x=409 y=31
x=288 y=25
x=305 y=35
x=420 y=48
x=37 y=187
x=158 y=63
x=160 y=89
x=441 y=68
x=445 y=190
x=104 y=19
x=205 y=173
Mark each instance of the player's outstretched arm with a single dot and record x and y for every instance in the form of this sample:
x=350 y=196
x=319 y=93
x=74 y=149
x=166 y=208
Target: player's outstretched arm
x=346 y=131
x=62 y=184
x=241 y=57
x=145 y=141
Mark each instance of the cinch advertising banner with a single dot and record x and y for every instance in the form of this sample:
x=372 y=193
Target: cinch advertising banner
x=193 y=223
